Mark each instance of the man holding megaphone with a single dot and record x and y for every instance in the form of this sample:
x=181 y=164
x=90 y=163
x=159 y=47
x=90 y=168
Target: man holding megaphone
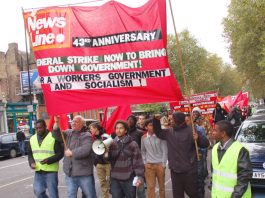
x=127 y=167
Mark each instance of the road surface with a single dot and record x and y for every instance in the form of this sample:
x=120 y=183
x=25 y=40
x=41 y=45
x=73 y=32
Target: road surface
x=17 y=178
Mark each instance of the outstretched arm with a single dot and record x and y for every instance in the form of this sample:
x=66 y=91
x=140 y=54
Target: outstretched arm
x=160 y=133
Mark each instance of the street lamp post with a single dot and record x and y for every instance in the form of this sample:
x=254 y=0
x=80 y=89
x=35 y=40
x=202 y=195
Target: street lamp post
x=35 y=101
x=4 y=101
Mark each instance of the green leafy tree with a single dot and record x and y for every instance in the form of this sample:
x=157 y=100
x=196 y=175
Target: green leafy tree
x=193 y=56
x=204 y=71
x=230 y=81
x=209 y=77
x=245 y=31
x=152 y=108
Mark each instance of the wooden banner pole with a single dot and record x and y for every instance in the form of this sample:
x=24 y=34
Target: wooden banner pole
x=187 y=91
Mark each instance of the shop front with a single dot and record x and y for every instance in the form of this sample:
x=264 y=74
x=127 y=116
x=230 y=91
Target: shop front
x=22 y=115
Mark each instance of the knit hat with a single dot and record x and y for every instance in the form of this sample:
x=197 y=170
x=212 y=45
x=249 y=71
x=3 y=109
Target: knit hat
x=196 y=109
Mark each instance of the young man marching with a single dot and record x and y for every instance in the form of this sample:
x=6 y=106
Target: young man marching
x=154 y=152
x=127 y=170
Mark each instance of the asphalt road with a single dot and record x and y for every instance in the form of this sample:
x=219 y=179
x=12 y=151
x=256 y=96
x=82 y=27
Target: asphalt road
x=16 y=179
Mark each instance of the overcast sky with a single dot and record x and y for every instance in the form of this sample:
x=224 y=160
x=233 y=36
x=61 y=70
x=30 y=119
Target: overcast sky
x=202 y=18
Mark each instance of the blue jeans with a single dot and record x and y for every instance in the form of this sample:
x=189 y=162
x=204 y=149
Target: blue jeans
x=86 y=183
x=42 y=181
x=21 y=145
x=121 y=189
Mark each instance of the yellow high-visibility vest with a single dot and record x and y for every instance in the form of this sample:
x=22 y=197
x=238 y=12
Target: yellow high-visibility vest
x=42 y=152
x=224 y=176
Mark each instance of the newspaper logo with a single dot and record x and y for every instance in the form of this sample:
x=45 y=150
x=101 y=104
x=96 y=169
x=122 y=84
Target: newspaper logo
x=48 y=28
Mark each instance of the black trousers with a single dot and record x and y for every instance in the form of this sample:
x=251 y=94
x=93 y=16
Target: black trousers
x=184 y=183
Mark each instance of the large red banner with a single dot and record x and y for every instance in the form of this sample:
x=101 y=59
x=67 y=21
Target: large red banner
x=95 y=57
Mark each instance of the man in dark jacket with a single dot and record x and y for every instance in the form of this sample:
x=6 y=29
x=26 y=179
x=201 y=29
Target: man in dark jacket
x=127 y=164
x=181 y=154
x=234 y=117
x=219 y=113
x=78 y=158
x=231 y=164
x=21 y=141
x=44 y=153
x=135 y=133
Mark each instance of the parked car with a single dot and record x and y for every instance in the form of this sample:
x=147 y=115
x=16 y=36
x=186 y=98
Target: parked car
x=87 y=121
x=9 y=145
x=259 y=112
x=252 y=134
x=90 y=121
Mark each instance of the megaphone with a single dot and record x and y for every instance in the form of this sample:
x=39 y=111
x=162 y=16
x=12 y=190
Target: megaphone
x=99 y=146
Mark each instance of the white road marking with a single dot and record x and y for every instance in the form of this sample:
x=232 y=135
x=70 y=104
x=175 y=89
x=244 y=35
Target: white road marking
x=11 y=183
x=157 y=189
x=31 y=185
x=167 y=181
x=3 y=167
x=16 y=182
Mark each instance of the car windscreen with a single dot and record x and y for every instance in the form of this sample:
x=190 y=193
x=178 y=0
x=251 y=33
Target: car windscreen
x=7 y=139
x=252 y=132
x=260 y=111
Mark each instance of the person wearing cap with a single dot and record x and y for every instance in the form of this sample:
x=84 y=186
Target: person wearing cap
x=182 y=158
x=203 y=122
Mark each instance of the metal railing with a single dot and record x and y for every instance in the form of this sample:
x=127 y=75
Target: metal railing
x=34 y=90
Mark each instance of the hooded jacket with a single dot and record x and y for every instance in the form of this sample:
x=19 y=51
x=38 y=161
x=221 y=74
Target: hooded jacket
x=126 y=159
